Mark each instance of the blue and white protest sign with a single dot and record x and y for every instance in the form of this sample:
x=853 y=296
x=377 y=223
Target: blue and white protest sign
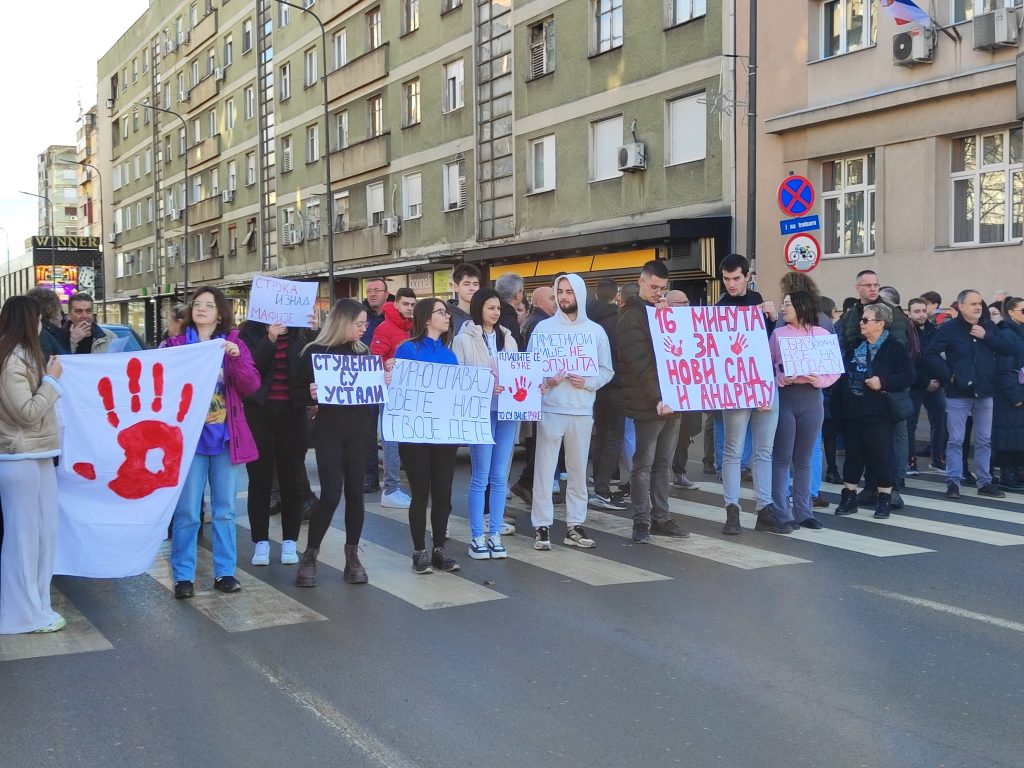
x=289 y=302
x=349 y=379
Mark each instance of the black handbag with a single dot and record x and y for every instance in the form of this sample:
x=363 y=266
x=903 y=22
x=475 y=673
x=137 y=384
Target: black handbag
x=900 y=406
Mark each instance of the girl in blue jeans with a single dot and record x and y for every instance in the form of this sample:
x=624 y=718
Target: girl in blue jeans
x=478 y=344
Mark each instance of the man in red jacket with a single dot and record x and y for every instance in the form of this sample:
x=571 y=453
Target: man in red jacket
x=393 y=330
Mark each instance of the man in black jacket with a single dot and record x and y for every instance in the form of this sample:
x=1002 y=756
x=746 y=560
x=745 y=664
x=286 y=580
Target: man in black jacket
x=926 y=391
x=657 y=427
x=376 y=297
x=963 y=357
x=510 y=292
x=609 y=409
x=848 y=327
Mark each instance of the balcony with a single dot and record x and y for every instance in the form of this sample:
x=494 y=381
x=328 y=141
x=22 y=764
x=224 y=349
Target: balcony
x=204 y=30
x=362 y=157
x=199 y=272
x=205 y=150
x=360 y=243
x=205 y=210
x=358 y=73
x=328 y=9
x=202 y=92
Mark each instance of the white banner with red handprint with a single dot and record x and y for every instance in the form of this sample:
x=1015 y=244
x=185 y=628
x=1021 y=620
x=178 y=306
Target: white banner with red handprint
x=129 y=427
x=712 y=358
x=520 y=373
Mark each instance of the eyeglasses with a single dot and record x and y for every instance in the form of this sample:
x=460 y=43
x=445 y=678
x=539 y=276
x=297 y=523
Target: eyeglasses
x=867 y=285
x=361 y=323
x=866 y=320
x=203 y=305
x=441 y=312
x=786 y=304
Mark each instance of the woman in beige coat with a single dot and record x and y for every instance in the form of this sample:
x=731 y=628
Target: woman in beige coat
x=28 y=482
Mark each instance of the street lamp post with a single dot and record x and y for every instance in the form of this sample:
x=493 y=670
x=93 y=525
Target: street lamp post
x=184 y=213
x=49 y=230
x=327 y=151
x=99 y=176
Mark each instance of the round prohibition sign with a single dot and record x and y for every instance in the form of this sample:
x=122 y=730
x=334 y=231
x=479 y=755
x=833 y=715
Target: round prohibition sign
x=803 y=252
x=795 y=195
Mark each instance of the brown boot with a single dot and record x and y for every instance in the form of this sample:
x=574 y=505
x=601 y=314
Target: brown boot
x=354 y=571
x=306 y=575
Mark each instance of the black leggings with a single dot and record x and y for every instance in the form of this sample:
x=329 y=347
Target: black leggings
x=340 y=462
x=280 y=432
x=869 y=444
x=430 y=470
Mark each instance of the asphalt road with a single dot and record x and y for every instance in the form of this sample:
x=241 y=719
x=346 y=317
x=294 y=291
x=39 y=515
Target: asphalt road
x=867 y=644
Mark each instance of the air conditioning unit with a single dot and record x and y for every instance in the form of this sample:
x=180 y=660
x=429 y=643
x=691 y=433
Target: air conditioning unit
x=112 y=237
x=184 y=95
x=915 y=45
x=183 y=38
x=173 y=46
x=632 y=157
x=391 y=226
x=218 y=73
x=110 y=103
x=286 y=234
x=297 y=236
x=228 y=195
x=175 y=214
x=997 y=29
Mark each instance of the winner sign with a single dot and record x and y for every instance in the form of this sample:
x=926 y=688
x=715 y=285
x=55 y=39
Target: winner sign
x=712 y=358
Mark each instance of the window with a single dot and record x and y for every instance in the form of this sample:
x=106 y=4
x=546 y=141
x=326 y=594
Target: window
x=412 y=196
x=453 y=85
x=846 y=25
x=229 y=50
x=124 y=127
x=211 y=122
x=232 y=175
x=341 y=128
x=149 y=259
x=987 y=177
x=118 y=220
x=687 y=10
x=250 y=169
x=182 y=90
x=182 y=142
x=313 y=220
x=283 y=13
x=137 y=164
x=373 y=30
x=339 y=44
x=197 y=188
x=232 y=239
x=542 y=47
x=127 y=217
x=145 y=60
x=135 y=70
x=607 y=24
x=541 y=173
x=375 y=115
x=312 y=143
x=124 y=80
x=194 y=67
x=229 y=114
x=410 y=103
x=284 y=81
x=147 y=163
x=138 y=214
x=135 y=120
x=410 y=16
x=374 y=203
x=340 y=212
x=197 y=130
x=455 y=185
x=214 y=182
x=250 y=102
x=146 y=112
x=848 y=205
x=964 y=10
x=310 y=75
x=211 y=61
x=246 y=35
x=687 y=130
x=149 y=209
x=193 y=15
x=605 y=140
x=167 y=95
x=286 y=154
x=450 y=5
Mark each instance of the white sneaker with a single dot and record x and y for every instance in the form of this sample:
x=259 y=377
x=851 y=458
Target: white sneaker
x=395 y=500
x=288 y=554
x=494 y=545
x=507 y=529
x=478 y=548
x=261 y=554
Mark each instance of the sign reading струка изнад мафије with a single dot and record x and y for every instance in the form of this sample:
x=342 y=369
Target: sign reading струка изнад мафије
x=712 y=358
x=288 y=302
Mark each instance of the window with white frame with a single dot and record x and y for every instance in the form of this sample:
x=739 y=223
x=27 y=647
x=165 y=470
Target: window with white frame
x=135 y=120
x=138 y=214
x=250 y=169
x=541 y=173
x=182 y=203
x=542 y=47
x=145 y=60
x=847 y=25
x=607 y=24
x=229 y=50
x=211 y=122
x=232 y=175
x=410 y=15
x=286 y=154
x=375 y=115
x=374 y=32
x=341 y=129
x=169 y=205
x=848 y=205
x=195 y=72
x=454 y=73
x=450 y=5
x=182 y=142
x=138 y=262
x=687 y=130
x=284 y=81
x=964 y=10
x=127 y=217
x=116 y=180
x=214 y=182
x=687 y=10
x=250 y=102
x=147 y=162
x=340 y=212
x=339 y=44
x=193 y=15
x=135 y=70
x=283 y=14
x=118 y=220
x=605 y=140
x=149 y=209
x=374 y=203
x=124 y=127
x=246 y=35
x=137 y=166
x=412 y=196
x=197 y=188
x=312 y=143
x=313 y=219
x=229 y=114
x=411 y=102
x=987 y=177
x=455 y=185
x=211 y=60
x=197 y=130
x=167 y=96
x=310 y=70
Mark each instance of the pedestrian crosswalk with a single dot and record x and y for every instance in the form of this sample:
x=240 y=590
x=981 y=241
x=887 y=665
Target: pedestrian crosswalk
x=79 y=636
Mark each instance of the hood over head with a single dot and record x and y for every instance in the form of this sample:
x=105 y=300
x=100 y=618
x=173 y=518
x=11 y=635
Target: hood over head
x=580 y=288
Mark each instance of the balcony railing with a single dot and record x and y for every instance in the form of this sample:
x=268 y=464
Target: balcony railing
x=358 y=73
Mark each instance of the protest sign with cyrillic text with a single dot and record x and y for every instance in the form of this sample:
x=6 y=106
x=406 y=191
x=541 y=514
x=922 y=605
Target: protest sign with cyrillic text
x=349 y=379
x=439 y=404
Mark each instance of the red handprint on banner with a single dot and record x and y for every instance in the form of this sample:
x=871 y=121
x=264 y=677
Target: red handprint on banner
x=676 y=350
x=521 y=387
x=739 y=343
x=134 y=480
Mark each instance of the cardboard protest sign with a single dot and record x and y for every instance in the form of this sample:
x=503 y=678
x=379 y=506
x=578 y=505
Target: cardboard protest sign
x=272 y=300
x=712 y=358
x=571 y=352
x=439 y=404
x=807 y=355
x=520 y=373
x=349 y=379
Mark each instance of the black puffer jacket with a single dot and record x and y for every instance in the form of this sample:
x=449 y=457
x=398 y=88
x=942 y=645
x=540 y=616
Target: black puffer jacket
x=892 y=365
x=1008 y=417
x=637 y=368
x=263 y=350
x=848 y=327
x=965 y=365
x=607 y=316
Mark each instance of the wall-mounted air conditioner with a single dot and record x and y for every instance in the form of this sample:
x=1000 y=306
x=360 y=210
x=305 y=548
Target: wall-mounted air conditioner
x=915 y=45
x=391 y=226
x=228 y=195
x=632 y=157
x=997 y=29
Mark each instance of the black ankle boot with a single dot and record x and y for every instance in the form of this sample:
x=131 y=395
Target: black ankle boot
x=848 y=503
x=305 y=576
x=882 y=506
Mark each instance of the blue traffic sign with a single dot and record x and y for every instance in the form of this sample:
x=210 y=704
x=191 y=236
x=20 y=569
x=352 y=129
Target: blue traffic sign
x=803 y=224
x=795 y=196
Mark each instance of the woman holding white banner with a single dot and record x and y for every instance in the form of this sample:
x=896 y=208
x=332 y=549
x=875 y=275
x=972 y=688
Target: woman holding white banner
x=478 y=344
x=340 y=436
x=430 y=468
x=28 y=482
x=225 y=443
x=801 y=414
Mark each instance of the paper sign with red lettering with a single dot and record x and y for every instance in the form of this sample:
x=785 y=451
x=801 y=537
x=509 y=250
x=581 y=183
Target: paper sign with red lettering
x=129 y=428
x=810 y=355
x=438 y=403
x=712 y=358
x=521 y=374
x=573 y=352
x=272 y=300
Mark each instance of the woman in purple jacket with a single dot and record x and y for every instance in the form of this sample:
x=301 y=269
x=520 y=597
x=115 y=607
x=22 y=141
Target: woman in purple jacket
x=225 y=444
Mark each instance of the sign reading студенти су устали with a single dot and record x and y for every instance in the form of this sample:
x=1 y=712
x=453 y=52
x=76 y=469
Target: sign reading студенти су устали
x=712 y=358
x=349 y=379
x=438 y=403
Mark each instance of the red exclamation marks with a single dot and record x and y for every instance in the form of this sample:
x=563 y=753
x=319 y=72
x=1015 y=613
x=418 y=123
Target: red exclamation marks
x=134 y=372
x=158 y=387
x=186 y=402
x=106 y=391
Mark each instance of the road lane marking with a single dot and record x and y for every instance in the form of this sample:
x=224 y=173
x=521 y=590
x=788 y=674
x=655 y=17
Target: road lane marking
x=257 y=606
x=995 y=621
x=914 y=501
x=79 y=636
x=392 y=572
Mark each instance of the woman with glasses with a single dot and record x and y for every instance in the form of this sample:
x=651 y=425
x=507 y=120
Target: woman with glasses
x=430 y=468
x=879 y=366
x=1008 y=413
x=801 y=414
x=225 y=443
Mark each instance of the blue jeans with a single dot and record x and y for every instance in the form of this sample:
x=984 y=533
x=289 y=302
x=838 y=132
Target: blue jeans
x=720 y=444
x=223 y=478
x=490 y=464
x=762 y=427
x=957 y=411
x=392 y=461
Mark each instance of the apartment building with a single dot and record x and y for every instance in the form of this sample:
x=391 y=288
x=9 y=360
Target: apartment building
x=57 y=182
x=910 y=133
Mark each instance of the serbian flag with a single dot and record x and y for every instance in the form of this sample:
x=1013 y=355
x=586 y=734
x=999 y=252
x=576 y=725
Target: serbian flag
x=906 y=12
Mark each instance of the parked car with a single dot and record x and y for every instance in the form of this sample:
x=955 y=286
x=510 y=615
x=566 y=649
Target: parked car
x=135 y=342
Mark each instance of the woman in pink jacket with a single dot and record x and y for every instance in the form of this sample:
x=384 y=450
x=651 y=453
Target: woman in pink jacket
x=225 y=444
x=801 y=413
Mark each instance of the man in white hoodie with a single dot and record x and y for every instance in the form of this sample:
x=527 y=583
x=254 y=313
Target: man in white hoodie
x=567 y=415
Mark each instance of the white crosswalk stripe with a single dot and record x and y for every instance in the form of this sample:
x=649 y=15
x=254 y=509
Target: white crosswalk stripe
x=79 y=636
x=963 y=507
